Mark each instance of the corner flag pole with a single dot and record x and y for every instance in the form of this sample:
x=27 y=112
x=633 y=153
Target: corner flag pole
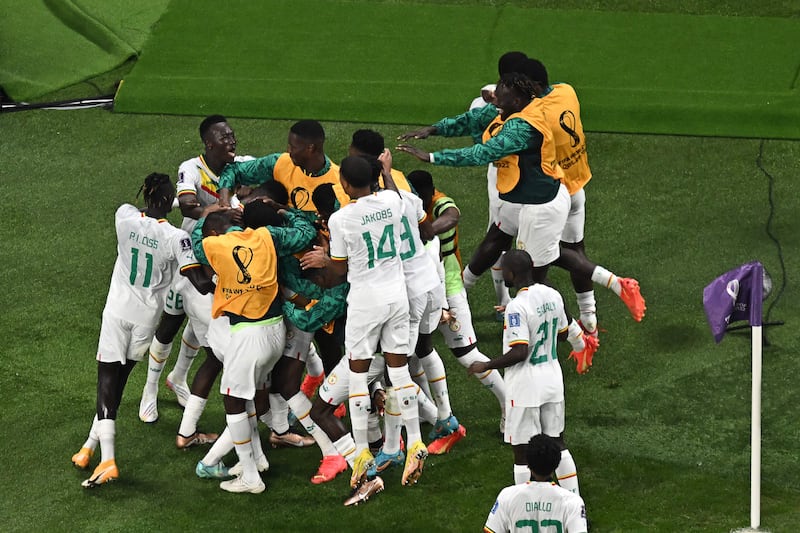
x=755 y=432
x=737 y=295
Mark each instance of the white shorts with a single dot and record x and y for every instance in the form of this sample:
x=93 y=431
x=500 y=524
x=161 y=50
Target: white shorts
x=219 y=336
x=298 y=343
x=121 y=340
x=459 y=333
x=522 y=423
x=254 y=349
x=336 y=387
x=197 y=307
x=573 y=230
x=540 y=227
x=386 y=323
x=425 y=313
x=507 y=218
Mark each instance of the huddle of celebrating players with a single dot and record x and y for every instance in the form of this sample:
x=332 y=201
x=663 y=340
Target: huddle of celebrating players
x=290 y=264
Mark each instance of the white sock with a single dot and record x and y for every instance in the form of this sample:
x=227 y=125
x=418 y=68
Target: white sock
x=607 y=279
x=374 y=432
x=241 y=433
x=255 y=437
x=575 y=336
x=428 y=411
x=280 y=413
x=346 y=447
x=191 y=414
x=469 y=278
x=522 y=474
x=106 y=432
x=492 y=379
x=588 y=310
x=301 y=406
x=94 y=438
x=567 y=472
x=359 y=404
x=186 y=355
x=437 y=378
x=500 y=289
x=392 y=423
x=417 y=371
x=314 y=362
x=220 y=448
x=407 y=397
x=155 y=363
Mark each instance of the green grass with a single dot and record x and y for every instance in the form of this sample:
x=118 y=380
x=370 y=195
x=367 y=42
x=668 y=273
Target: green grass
x=659 y=428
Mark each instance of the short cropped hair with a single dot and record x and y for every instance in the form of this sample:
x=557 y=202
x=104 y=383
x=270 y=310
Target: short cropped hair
x=309 y=130
x=258 y=214
x=543 y=455
x=510 y=62
x=208 y=122
x=535 y=71
x=421 y=180
x=356 y=171
x=369 y=142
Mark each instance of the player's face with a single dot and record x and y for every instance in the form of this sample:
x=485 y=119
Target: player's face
x=221 y=142
x=508 y=102
x=298 y=150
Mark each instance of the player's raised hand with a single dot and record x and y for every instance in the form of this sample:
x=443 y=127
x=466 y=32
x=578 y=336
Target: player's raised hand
x=422 y=155
x=422 y=133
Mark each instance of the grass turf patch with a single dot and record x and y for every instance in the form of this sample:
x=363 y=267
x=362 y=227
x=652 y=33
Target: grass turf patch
x=410 y=63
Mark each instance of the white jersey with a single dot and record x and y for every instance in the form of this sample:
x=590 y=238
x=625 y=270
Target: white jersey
x=148 y=253
x=537 y=506
x=534 y=316
x=419 y=268
x=195 y=176
x=366 y=233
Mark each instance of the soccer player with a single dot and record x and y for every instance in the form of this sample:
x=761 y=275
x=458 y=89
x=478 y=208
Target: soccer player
x=197 y=188
x=301 y=169
x=563 y=113
x=425 y=297
x=149 y=250
x=245 y=262
x=458 y=331
x=520 y=142
x=508 y=62
x=538 y=505
x=535 y=320
x=365 y=237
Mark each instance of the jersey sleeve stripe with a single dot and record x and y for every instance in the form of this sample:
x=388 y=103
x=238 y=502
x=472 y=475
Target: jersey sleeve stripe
x=334 y=258
x=190 y=266
x=518 y=341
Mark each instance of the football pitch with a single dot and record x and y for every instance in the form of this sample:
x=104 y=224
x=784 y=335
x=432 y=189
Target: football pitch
x=659 y=428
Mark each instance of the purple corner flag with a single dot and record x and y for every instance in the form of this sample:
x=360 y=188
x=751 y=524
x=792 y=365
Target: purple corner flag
x=735 y=295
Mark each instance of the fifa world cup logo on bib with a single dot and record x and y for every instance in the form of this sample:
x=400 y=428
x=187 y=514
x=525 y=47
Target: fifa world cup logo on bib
x=243 y=256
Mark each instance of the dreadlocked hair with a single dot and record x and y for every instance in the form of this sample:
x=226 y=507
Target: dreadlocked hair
x=519 y=83
x=157 y=190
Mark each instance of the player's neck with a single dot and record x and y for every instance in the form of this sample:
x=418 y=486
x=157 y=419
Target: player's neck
x=215 y=165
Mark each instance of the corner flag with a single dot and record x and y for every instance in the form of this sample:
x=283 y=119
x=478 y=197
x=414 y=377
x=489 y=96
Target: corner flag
x=735 y=295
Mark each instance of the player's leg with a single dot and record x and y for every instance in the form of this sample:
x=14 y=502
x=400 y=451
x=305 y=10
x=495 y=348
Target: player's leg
x=176 y=379
x=172 y=318
x=254 y=350
x=522 y=423
x=552 y=420
x=494 y=243
x=459 y=335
